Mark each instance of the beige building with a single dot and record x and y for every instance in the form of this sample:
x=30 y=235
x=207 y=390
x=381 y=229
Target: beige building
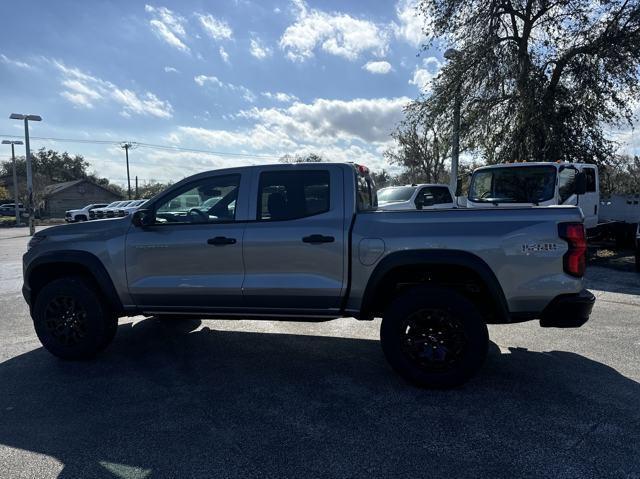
x=71 y=195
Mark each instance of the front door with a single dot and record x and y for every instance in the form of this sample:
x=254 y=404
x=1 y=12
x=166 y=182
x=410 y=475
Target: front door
x=190 y=258
x=294 y=250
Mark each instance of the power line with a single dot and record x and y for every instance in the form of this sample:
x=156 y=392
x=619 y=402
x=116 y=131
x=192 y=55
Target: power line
x=148 y=145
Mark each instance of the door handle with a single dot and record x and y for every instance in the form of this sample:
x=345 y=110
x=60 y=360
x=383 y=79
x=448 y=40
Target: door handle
x=318 y=239
x=221 y=241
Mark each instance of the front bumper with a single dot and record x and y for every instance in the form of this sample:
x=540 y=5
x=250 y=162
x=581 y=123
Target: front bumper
x=568 y=310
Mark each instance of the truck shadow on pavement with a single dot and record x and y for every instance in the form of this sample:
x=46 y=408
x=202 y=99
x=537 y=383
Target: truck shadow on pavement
x=165 y=401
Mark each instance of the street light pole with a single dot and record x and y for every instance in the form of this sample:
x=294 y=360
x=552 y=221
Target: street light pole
x=451 y=54
x=26 y=118
x=32 y=226
x=15 y=177
x=455 y=140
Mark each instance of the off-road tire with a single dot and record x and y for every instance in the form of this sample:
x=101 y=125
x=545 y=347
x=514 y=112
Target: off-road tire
x=72 y=320
x=434 y=337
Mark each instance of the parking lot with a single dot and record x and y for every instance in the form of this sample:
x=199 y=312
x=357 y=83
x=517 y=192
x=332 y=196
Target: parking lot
x=254 y=398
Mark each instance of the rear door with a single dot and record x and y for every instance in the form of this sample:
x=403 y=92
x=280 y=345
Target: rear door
x=294 y=250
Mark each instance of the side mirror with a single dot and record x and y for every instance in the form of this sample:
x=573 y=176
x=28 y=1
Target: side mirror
x=581 y=183
x=419 y=202
x=142 y=218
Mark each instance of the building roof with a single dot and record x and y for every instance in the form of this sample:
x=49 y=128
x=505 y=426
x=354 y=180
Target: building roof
x=59 y=187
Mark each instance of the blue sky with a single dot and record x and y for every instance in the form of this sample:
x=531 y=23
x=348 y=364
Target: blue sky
x=257 y=77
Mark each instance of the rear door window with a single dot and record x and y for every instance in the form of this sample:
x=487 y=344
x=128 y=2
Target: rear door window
x=289 y=195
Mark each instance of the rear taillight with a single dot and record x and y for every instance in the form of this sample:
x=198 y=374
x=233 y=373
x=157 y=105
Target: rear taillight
x=575 y=258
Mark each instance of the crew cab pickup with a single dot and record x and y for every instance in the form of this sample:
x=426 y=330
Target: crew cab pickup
x=307 y=242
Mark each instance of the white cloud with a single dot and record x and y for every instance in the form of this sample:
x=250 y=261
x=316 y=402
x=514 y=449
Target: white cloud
x=83 y=90
x=16 y=63
x=168 y=26
x=213 y=81
x=367 y=120
x=203 y=79
x=149 y=104
x=279 y=96
x=171 y=70
x=216 y=29
x=335 y=33
x=336 y=127
x=77 y=99
x=224 y=55
x=259 y=50
x=412 y=22
x=424 y=75
x=380 y=68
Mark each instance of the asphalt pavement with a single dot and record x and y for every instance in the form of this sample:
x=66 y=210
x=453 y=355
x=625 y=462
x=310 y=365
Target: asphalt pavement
x=266 y=399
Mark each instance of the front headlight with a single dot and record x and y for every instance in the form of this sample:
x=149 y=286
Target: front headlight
x=35 y=240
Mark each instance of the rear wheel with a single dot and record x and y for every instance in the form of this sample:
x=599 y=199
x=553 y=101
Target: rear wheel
x=71 y=320
x=434 y=337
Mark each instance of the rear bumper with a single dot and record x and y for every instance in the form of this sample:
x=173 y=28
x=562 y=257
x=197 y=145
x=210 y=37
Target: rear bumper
x=568 y=310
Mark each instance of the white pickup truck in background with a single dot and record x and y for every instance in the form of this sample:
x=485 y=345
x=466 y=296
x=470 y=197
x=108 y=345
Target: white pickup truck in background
x=415 y=197
x=557 y=184
x=82 y=214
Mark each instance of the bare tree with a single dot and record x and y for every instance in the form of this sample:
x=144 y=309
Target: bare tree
x=310 y=158
x=420 y=149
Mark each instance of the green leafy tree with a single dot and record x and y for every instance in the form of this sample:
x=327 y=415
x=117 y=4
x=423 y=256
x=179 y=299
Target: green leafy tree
x=537 y=79
x=50 y=166
x=4 y=193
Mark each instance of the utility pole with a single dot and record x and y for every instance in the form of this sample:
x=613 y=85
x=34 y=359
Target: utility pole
x=137 y=187
x=26 y=118
x=15 y=177
x=126 y=145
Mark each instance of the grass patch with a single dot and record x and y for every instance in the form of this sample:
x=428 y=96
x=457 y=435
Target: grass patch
x=7 y=221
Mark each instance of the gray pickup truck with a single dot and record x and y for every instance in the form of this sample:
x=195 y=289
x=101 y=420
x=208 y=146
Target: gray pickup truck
x=306 y=242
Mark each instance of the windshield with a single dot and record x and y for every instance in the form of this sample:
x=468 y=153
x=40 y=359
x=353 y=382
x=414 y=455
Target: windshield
x=399 y=193
x=513 y=184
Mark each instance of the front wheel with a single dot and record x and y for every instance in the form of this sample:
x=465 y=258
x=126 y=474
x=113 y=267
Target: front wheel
x=71 y=319
x=434 y=337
